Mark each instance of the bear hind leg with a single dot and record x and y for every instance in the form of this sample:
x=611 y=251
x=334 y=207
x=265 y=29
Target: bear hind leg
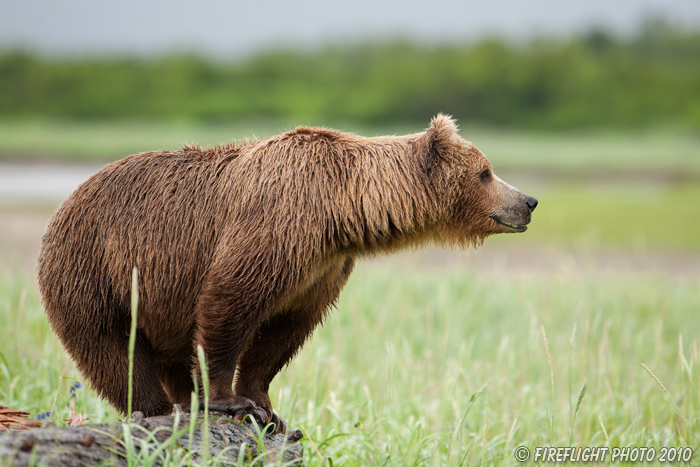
x=107 y=367
x=176 y=378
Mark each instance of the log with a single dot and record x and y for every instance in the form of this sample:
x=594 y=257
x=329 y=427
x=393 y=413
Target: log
x=88 y=445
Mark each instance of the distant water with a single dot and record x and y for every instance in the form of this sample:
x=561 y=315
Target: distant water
x=41 y=182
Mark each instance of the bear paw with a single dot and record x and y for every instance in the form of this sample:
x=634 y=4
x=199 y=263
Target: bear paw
x=239 y=407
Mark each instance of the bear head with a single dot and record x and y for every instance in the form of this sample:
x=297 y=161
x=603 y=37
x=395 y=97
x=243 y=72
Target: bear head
x=472 y=201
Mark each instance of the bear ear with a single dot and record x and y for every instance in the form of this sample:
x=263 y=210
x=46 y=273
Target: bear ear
x=441 y=139
x=442 y=127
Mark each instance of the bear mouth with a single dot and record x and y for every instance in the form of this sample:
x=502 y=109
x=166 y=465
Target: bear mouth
x=511 y=227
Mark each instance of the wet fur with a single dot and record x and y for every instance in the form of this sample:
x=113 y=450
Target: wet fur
x=242 y=248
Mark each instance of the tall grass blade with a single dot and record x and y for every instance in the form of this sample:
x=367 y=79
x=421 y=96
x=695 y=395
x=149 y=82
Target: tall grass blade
x=581 y=395
x=205 y=386
x=551 y=378
x=132 y=337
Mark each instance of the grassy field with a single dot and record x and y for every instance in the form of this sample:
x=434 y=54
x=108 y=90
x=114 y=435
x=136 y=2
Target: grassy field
x=446 y=365
x=442 y=367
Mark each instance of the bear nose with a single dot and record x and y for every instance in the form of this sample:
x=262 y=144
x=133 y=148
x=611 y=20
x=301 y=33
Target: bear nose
x=531 y=203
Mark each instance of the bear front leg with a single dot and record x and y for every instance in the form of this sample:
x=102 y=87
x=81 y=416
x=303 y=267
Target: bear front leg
x=227 y=320
x=274 y=345
x=281 y=337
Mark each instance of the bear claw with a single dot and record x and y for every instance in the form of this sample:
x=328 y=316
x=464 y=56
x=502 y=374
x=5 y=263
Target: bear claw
x=239 y=407
x=257 y=413
x=280 y=423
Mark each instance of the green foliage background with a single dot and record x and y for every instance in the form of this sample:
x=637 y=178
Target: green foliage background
x=593 y=80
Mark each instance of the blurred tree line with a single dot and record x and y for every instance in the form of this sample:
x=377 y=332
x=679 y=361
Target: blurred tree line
x=593 y=80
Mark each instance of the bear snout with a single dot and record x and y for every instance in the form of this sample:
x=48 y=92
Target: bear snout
x=531 y=203
x=514 y=210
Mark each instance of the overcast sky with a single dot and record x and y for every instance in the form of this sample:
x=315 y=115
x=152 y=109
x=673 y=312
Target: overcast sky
x=244 y=27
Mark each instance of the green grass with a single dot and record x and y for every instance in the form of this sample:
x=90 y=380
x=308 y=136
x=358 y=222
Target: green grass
x=443 y=367
x=598 y=152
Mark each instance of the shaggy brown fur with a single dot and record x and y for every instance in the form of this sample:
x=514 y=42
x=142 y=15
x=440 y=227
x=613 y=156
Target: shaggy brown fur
x=243 y=248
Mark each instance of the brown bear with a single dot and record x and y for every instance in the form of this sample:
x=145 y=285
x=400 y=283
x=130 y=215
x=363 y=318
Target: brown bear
x=242 y=249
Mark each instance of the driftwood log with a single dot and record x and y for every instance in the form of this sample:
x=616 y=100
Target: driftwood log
x=106 y=444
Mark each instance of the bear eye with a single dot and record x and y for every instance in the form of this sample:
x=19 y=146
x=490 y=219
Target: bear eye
x=485 y=175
